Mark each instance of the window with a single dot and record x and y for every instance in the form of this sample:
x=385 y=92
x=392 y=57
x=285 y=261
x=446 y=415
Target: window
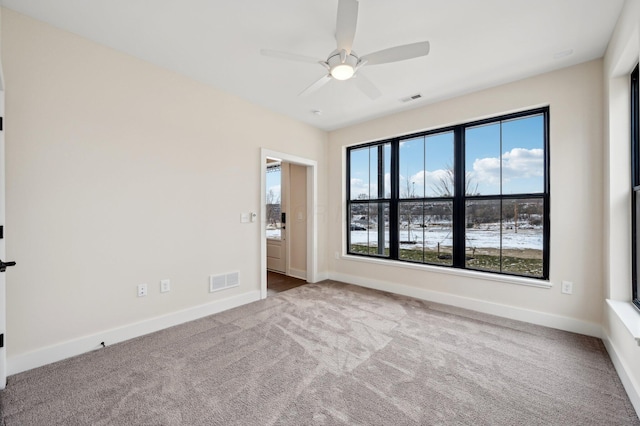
x=635 y=184
x=274 y=179
x=472 y=196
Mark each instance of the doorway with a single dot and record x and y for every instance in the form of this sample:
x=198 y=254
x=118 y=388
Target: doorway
x=297 y=224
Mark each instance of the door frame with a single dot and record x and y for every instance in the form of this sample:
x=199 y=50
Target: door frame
x=312 y=221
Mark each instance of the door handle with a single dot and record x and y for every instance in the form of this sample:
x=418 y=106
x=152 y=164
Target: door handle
x=4 y=265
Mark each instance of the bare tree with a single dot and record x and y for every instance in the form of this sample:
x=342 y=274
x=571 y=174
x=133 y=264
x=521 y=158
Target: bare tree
x=273 y=204
x=445 y=186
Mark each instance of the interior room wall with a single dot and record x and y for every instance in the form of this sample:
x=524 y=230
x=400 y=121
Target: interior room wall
x=575 y=98
x=121 y=173
x=620 y=59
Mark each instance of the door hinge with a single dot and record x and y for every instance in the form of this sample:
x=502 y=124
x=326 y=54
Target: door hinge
x=2 y=340
x=1 y=124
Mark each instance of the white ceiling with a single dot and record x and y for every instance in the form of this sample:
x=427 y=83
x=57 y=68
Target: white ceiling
x=474 y=45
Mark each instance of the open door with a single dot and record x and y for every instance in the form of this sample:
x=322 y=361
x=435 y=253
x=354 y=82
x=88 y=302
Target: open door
x=3 y=266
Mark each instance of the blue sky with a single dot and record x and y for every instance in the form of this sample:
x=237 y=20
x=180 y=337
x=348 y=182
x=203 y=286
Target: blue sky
x=273 y=184
x=504 y=157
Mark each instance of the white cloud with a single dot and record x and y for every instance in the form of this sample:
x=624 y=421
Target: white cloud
x=430 y=180
x=358 y=187
x=523 y=163
x=519 y=163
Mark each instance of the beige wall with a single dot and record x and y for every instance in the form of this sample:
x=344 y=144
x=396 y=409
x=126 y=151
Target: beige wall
x=297 y=220
x=121 y=173
x=575 y=98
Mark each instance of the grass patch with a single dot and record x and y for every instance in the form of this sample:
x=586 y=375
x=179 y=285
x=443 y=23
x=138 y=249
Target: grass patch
x=519 y=262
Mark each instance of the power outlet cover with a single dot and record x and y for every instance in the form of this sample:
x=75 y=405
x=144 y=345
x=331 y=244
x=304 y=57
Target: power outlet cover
x=142 y=290
x=567 y=287
x=165 y=286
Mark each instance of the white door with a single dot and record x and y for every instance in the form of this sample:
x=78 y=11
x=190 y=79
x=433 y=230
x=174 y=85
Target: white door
x=3 y=304
x=276 y=212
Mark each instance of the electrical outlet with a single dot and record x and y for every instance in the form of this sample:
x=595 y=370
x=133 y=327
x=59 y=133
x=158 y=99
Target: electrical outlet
x=567 y=287
x=142 y=290
x=165 y=286
x=337 y=255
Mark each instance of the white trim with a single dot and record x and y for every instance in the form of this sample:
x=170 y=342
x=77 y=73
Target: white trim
x=58 y=352
x=535 y=317
x=312 y=214
x=632 y=388
x=479 y=275
x=322 y=276
x=628 y=315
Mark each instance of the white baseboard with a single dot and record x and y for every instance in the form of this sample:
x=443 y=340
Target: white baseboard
x=298 y=273
x=505 y=311
x=58 y=352
x=633 y=390
x=321 y=276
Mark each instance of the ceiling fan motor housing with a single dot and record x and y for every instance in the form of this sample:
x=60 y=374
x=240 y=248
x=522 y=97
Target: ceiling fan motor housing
x=342 y=69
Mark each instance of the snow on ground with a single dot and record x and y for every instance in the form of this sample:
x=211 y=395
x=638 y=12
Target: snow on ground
x=478 y=238
x=273 y=234
x=489 y=237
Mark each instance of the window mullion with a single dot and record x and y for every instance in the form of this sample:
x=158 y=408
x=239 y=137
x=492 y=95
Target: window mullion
x=459 y=199
x=393 y=205
x=380 y=195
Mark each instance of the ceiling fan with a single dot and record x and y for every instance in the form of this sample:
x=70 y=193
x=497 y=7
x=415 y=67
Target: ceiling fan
x=343 y=63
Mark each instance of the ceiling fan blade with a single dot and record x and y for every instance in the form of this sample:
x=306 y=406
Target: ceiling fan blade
x=315 y=86
x=289 y=56
x=398 y=53
x=346 y=24
x=367 y=87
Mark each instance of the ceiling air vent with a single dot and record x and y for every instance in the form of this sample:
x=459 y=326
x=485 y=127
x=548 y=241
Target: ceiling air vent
x=412 y=98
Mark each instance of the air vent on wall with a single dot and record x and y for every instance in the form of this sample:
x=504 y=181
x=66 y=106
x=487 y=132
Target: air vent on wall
x=411 y=98
x=221 y=282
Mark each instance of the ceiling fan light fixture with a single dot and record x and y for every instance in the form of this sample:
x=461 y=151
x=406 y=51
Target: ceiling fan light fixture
x=342 y=72
x=342 y=66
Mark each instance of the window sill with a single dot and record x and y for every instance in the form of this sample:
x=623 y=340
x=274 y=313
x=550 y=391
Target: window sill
x=487 y=276
x=629 y=316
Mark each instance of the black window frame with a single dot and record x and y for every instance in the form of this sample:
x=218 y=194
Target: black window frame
x=458 y=199
x=635 y=182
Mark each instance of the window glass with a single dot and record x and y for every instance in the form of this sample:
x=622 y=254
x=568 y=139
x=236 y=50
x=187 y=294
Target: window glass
x=523 y=155
x=482 y=237
x=426 y=232
x=482 y=160
x=438 y=160
x=360 y=181
x=367 y=172
x=523 y=236
x=412 y=168
x=273 y=180
x=369 y=229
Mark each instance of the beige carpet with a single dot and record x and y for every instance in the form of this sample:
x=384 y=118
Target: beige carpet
x=331 y=354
